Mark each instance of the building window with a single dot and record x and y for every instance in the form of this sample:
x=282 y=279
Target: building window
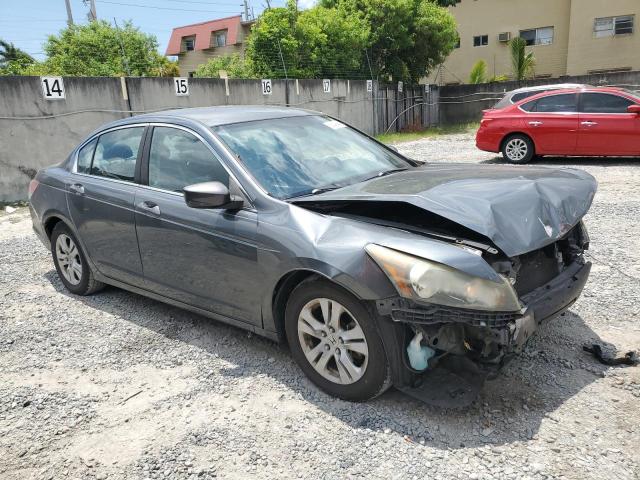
x=610 y=26
x=219 y=39
x=538 y=36
x=480 y=40
x=188 y=44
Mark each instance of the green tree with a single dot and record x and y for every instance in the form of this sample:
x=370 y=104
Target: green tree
x=12 y=59
x=478 y=72
x=318 y=42
x=99 y=49
x=408 y=37
x=233 y=64
x=523 y=63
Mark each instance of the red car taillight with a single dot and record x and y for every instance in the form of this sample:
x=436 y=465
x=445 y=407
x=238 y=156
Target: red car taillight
x=33 y=184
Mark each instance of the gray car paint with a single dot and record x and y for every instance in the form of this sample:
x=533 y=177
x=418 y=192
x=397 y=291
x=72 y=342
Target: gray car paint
x=259 y=249
x=518 y=209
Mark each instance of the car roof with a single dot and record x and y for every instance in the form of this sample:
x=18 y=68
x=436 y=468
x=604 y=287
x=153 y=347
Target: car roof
x=579 y=89
x=552 y=86
x=225 y=115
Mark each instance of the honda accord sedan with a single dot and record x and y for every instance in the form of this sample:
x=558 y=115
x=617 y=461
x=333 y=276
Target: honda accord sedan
x=580 y=121
x=373 y=267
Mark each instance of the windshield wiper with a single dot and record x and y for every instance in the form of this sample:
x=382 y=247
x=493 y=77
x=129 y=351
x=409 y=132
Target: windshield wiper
x=384 y=173
x=315 y=191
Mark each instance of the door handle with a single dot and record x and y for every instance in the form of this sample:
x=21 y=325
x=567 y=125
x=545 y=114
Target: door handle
x=77 y=188
x=588 y=123
x=535 y=123
x=150 y=207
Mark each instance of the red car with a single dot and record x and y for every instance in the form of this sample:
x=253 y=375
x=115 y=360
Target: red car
x=581 y=121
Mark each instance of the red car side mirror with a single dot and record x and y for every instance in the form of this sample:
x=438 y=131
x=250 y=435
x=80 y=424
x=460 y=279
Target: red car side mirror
x=634 y=109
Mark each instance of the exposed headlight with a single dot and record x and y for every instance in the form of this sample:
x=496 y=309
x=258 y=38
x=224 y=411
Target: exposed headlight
x=432 y=282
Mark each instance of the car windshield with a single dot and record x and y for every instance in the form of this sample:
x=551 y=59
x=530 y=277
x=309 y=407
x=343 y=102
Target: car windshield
x=305 y=155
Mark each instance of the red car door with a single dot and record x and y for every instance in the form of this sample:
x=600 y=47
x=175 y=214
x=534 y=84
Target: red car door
x=606 y=128
x=552 y=122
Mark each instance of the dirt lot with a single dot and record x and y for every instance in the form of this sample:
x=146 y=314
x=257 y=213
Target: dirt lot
x=119 y=386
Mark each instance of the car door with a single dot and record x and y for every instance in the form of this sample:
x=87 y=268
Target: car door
x=552 y=122
x=606 y=128
x=101 y=196
x=204 y=257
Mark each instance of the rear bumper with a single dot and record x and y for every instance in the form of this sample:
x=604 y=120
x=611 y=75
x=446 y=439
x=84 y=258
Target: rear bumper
x=487 y=141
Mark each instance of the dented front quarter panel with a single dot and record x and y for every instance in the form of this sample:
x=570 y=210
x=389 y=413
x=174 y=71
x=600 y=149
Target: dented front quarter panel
x=294 y=238
x=519 y=209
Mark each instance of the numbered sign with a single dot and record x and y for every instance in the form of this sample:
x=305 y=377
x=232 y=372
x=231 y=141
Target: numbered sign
x=52 y=88
x=181 y=85
x=399 y=87
x=266 y=87
x=326 y=85
x=369 y=86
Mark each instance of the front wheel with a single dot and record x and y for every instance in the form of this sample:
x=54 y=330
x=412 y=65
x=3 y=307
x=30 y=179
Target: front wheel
x=518 y=149
x=335 y=341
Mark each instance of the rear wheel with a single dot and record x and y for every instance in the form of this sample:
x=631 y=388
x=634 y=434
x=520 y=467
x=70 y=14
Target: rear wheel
x=70 y=262
x=335 y=341
x=518 y=148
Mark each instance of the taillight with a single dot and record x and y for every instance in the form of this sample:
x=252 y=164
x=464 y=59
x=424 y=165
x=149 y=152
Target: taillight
x=485 y=121
x=33 y=184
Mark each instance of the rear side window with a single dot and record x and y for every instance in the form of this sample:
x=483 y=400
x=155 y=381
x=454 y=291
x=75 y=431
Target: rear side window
x=177 y=159
x=522 y=95
x=604 y=103
x=85 y=155
x=116 y=154
x=553 y=104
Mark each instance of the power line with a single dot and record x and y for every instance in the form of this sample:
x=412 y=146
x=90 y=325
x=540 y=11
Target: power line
x=168 y=8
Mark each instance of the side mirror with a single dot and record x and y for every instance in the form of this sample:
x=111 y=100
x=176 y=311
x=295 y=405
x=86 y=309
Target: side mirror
x=211 y=195
x=634 y=109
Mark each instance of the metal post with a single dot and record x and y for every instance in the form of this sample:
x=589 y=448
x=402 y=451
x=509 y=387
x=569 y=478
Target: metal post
x=69 y=14
x=124 y=55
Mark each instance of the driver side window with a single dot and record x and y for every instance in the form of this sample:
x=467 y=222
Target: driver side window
x=177 y=159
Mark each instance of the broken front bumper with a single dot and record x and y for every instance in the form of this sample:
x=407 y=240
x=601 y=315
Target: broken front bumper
x=487 y=337
x=470 y=345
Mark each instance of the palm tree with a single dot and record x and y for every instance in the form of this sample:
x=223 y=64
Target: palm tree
x=522 y=61
x=478 y=73
x=9 y=53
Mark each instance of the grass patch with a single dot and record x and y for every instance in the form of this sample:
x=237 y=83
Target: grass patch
x=430 y=132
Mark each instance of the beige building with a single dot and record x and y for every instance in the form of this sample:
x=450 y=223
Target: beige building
x=567 y=37
x=196 y=44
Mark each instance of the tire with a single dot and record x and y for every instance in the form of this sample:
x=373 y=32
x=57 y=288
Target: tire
x=518 y=149
x=353 y=368
x=71 y=264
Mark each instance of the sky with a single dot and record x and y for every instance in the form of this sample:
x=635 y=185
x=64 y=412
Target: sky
x=27 y=23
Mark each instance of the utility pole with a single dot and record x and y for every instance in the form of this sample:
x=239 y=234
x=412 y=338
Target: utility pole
x=246 y=10
x=125 y=61
x=69 y=15
x=93 y=16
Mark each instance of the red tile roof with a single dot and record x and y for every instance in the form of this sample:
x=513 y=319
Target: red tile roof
x=202 y=32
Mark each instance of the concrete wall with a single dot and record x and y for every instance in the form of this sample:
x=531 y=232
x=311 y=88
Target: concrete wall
x=464 y=103
x=574 y=51
x=587 y=52
x=28 y=143
x=35 y=132
x=492 y=17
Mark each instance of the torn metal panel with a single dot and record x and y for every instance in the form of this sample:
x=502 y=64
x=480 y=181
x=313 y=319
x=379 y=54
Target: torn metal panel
x=518 y=209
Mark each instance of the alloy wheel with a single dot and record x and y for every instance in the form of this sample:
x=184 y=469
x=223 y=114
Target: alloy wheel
x=333 y=341
x=69 y=260
x=516 y=149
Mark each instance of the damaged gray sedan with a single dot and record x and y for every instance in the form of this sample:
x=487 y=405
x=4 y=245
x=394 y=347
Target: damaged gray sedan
x=374 y=268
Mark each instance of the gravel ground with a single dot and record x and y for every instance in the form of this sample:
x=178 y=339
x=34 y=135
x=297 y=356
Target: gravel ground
x=119 y=386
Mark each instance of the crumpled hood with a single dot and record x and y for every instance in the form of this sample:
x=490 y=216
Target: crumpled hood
x=519 y=208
